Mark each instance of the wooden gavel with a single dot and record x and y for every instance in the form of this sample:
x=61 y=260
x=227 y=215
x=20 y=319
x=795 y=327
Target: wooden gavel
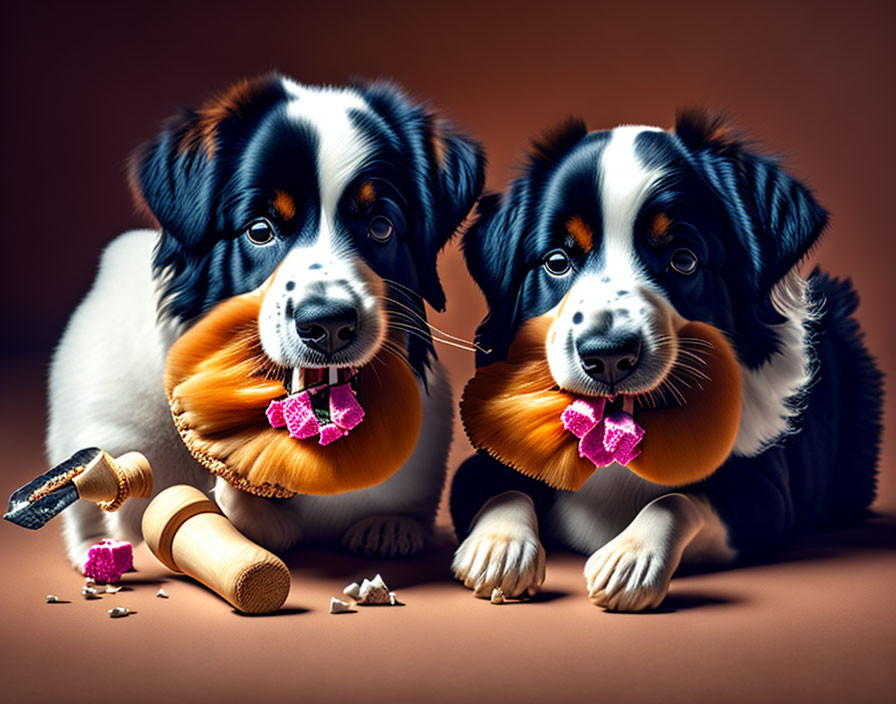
x=188 y=533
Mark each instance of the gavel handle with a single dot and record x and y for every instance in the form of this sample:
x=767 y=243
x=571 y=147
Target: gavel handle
x=188 y=533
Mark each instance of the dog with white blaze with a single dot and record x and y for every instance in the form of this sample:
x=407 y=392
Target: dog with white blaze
x=662 y=385
x=297 y=234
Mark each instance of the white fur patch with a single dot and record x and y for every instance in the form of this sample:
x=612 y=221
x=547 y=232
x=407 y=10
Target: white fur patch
x=342 y=149
x=771 y=392
x=624 y=184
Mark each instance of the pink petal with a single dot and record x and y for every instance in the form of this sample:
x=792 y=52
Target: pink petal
x=330 y=433
x=622 y=436
x=300 y=418
x=581 y=416
x=275 y=414
x=345 y=410
x=592 y=447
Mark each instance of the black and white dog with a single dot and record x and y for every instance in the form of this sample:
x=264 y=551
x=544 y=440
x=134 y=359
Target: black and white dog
x=315 y=184
x=625 y=226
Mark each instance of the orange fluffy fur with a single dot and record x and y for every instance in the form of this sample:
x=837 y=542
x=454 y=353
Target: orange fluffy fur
x=512 y=410
x=219 y=384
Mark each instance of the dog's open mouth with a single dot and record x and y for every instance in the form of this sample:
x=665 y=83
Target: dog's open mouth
x=320 y=402
x=514 y=410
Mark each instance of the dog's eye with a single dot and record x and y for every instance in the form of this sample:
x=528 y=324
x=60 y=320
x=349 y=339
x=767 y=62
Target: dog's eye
x=684 y=261
x=260 y=232
x=380 y=229
x=557 y=262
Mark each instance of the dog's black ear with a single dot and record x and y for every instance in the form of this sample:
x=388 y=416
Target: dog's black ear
x=448 y=166
x=777 y=217
x=177 y=176
x=458 y=172
x=493 y=245
x=490 y=247
x=553 y=145
x=492 y=242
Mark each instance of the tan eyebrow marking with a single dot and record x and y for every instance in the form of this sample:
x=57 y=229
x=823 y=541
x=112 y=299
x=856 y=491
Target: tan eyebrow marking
x=366 y=194
x=284 y=205
x=580 y=233
x=659 y=229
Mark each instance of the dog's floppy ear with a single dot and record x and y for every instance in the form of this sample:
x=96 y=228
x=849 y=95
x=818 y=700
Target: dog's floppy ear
x=553 y=145
x=490 y=247
x=458 y=173
x=494 y=244
x=777 y=217
x=448 y=166
x=177 y=176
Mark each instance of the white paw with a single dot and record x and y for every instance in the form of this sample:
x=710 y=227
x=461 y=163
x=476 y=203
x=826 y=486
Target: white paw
x=385 y=537
x=629 y=574
x=487 y=560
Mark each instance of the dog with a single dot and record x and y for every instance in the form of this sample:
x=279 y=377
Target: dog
x=610 y=237
x=339 y=200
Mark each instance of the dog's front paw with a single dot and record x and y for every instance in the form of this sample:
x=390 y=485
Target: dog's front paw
x=629 y=574
x=513 y=563
x=385 y=537
x=503 y=549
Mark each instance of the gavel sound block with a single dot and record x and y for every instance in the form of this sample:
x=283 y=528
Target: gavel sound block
x=188 y=533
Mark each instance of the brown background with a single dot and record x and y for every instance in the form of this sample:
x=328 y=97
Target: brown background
x=84 y=83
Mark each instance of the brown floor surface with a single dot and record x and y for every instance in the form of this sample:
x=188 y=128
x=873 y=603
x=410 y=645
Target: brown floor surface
x=817 y=626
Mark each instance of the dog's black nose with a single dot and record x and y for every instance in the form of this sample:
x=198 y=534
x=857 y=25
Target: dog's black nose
x=609 y=360
x=327 y=327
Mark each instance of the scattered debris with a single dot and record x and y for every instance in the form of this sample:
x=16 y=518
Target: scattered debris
x=119 y=612
x=497 y=596
x=89 y=592
x=337 y=606
x=162 y=594
x=112 y=590
x=52 y=599
x=373 y=591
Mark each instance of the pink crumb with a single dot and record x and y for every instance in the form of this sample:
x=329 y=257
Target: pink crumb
x=300 y=418
x=581 y=416
x=603 y=440
x=592 y=447
x=107 y=560
x=275 y=414
x=345 y=410
x=330 y=433
x=621 y=436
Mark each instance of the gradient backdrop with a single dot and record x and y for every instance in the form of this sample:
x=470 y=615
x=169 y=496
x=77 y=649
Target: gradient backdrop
x=84 y=83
